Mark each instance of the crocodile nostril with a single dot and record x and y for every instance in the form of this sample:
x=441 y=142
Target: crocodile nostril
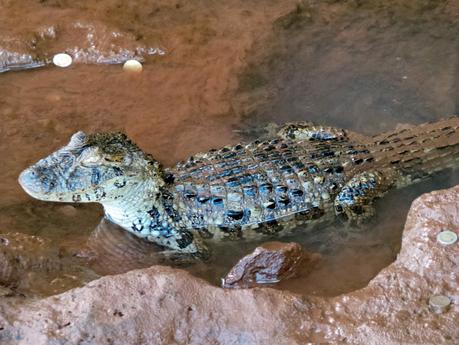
x=27 y=178
x=32 y=180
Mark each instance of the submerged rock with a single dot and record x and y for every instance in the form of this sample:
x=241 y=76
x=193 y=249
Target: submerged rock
x=113 y=250
x=269 y=263
x=30 y=266
x=21 y=254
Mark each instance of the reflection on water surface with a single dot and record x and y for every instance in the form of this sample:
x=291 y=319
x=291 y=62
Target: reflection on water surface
x=229 y=66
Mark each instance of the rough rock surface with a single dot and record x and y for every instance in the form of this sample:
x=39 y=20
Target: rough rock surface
x=160 y=305
x=269 y=263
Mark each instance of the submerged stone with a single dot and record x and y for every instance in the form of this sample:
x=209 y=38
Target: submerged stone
x=269 y=263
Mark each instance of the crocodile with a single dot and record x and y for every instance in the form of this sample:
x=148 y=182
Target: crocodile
x=301 y=174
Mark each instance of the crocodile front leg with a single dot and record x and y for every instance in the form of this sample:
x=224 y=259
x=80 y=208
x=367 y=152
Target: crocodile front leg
x=186 y=248
x=183 y=243
x=355 y=200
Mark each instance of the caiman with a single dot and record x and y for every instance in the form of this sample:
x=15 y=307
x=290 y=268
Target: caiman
x=300 y=175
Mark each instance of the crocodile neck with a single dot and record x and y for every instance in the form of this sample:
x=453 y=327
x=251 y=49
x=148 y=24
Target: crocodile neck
x=135 y=209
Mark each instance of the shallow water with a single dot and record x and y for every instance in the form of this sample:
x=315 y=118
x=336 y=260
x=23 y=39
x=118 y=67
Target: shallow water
x=227 y=68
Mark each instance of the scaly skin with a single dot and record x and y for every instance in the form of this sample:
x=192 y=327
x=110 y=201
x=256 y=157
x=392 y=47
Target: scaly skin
x=303 y=174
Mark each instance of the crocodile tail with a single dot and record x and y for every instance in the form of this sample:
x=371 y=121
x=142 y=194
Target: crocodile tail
x=419 y=151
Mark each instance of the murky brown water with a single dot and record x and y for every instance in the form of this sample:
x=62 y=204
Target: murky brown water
x=227 y=66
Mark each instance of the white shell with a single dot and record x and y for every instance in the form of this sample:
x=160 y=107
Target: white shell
x=446 y=237
x=62 y=60
x=439 y=303
x=132 y=66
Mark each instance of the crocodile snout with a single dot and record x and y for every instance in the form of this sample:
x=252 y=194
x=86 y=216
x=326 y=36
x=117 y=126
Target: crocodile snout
x=29 y=181
x=36 y=184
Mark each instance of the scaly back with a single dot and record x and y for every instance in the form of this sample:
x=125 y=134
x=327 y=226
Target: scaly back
x=265 y=181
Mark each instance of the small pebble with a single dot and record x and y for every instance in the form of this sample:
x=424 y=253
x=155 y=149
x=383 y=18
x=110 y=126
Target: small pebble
x=132 y=66
x=62 y=60
x=446 y=237
x=439 y=303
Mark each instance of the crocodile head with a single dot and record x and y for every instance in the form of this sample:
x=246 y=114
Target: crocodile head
x=100 y=167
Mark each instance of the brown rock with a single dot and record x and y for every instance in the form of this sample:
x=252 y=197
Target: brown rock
x=161 y=305
x=269 y=263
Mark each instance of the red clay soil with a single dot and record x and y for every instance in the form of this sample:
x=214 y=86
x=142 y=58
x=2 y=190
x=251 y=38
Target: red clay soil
x=161 y=305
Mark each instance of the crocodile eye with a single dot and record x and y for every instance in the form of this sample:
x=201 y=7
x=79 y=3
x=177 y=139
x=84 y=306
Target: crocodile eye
x=113 y=159
x=118 y=159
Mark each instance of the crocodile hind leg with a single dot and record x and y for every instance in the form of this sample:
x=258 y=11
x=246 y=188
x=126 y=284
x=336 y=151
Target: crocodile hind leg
x=309 y=131
x=355 y=200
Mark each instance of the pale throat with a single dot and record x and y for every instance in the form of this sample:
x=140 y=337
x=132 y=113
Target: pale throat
x=133 y=204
